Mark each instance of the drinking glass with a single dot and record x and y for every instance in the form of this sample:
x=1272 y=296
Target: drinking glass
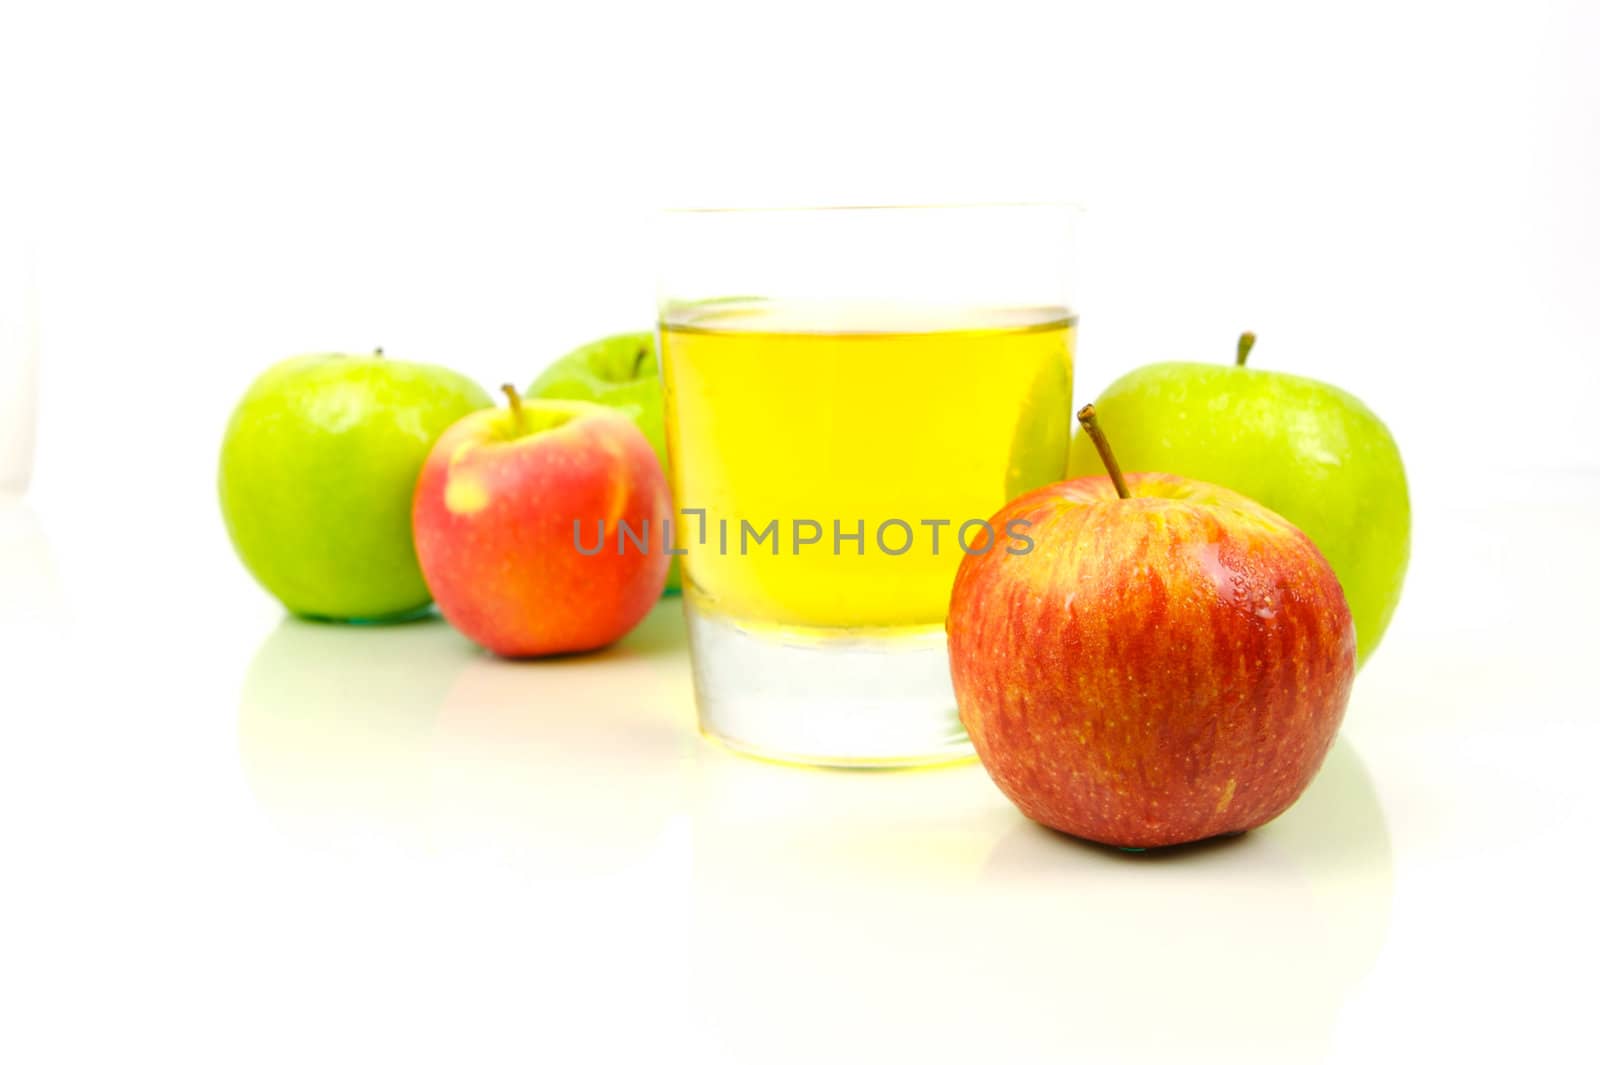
x=850 y=394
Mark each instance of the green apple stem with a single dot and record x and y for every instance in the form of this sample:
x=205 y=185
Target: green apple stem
x=1246 y=342
x=377 y=353
x=518 y=418
x=1091 y=425
x=638 y=360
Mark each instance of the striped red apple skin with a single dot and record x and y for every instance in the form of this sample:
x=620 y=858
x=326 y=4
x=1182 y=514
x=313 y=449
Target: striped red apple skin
x=1156 y=670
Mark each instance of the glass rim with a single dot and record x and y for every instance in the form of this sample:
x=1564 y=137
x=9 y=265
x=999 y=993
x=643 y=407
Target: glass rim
x=977 y=205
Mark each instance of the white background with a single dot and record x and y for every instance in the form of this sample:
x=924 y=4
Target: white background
x=1396 y=197
x=1400 y=198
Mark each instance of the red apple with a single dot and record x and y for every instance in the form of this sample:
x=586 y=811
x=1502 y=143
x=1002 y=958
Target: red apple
x=520 y=518
x=1170 y=661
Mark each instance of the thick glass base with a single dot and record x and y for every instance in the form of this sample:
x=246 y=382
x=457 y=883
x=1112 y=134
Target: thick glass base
x=867 y=699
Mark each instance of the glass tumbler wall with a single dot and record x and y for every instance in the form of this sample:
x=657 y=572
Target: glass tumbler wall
x=850 y=394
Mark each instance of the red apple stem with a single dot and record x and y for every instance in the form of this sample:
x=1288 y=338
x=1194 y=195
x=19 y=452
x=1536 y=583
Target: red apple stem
x=1246 y=342
x=1091 y=425
x=517 y=417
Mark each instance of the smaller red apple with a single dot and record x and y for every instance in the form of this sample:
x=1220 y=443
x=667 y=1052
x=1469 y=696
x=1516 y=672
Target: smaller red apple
x=1170 y=661
x=539 y=527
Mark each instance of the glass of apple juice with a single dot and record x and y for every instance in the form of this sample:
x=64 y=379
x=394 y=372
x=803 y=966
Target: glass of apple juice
x=851 y=393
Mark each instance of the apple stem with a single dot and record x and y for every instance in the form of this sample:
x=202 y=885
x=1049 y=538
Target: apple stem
x=638 y=360
x=377 y=353
x=1091 y=425
x=518 y=419
x=1246 y=342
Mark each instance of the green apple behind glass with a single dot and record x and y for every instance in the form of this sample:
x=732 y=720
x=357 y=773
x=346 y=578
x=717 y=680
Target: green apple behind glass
x=1312 y=452
x=318 y=468
x=621 y=372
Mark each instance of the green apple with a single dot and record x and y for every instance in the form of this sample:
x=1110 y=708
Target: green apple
x=622 y=372
x=1312 y=452
x=1043 y=431
x=319 y=465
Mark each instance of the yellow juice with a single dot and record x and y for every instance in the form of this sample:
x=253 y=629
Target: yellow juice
x=902 y=425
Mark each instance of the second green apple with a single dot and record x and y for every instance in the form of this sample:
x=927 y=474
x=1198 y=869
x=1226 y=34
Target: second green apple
x=1312 y=452
x=619 y=371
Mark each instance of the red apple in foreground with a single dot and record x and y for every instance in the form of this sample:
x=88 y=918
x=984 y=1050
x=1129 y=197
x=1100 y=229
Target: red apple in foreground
x=1169 y=662
x=519 y=520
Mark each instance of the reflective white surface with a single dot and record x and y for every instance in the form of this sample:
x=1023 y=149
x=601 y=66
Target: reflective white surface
x=237 y=837
x=19 y=354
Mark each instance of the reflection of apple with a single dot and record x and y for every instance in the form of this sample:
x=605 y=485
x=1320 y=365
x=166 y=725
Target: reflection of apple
x=1169 y=662
x=1316 y=883
x=569 y=767
x=882 y=894
x=618 y=371
x=30 y=591
x=318 y=466
x=520 y=517
x=335 y=725
x=1305 y=449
